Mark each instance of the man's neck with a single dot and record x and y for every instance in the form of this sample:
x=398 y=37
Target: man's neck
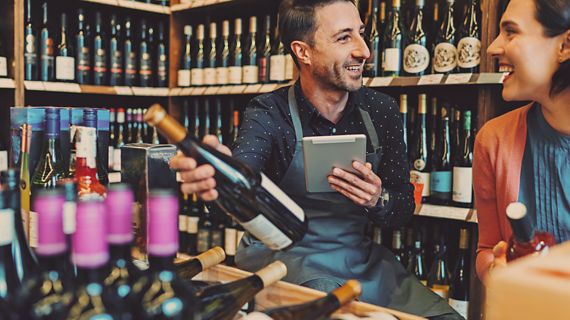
x=556 y=111
x=329 y=103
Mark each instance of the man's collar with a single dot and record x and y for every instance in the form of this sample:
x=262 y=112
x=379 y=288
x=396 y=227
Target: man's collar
x=308 y=112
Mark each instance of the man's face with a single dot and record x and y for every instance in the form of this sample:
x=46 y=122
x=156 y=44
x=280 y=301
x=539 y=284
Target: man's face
x=339 y=51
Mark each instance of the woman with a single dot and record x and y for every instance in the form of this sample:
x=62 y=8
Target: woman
x=524 y=155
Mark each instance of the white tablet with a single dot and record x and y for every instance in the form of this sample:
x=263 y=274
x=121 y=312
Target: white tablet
x=322 y=154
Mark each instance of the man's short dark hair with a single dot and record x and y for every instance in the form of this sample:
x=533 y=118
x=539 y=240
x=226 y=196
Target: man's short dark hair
x=296 y=21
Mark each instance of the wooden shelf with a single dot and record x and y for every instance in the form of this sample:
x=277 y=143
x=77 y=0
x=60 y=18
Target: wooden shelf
x=193 y=4
x=133 y=5
x=63 y=87
x=436 y=80
x=447 y=212
x=7 y=83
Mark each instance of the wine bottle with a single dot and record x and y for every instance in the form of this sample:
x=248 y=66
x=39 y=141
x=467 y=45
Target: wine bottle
x=432 y=130
x=469 y=45
x=459 y=282
x=445 y=52
x=210 y=56
x=64 y=60
x=99 y=53
x=120 y=139
x=145 y=56
x=319 y=309
x=462 y=195
x=230 y=241
x=204 y=236
x=46 y=48
x=376 y=235
x=236 y=55
x=190 y=268
x=392 y=43
x=193 y=220
x=90 y=120
x=397 y=246
x=404 y=115
x=235 y=126
x=441 y=180
x=138 y=130
x=9 y=280
x=25 y=187
x=419 y=150
x=250 y=69
x=409 y=247
x=30 y=45
x=130 y=55
x=115 y=55
x=112 y=136
x=438 y=277
x=223 y=55
x=206 y=124
x=162 y=281
x=255 y=202
x=197 y=127
x=218 y=125
x=217 y=232
x=277 y=59
x=186 y=63
x=130 y=126
x=69 y=189
x=88 y=185
x=48 y=294
x=225 y=300
x=264 y=55
x=525 y=240
x=416 y=54
x=82 y=54
x=50 y=165
x=197 y=73
x=183 y=222
x=372 y=66
x=161 y=58
x=91 y=256
x=417 y=264
x=455 y=133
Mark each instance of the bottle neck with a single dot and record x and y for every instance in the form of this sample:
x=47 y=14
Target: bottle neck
x=52 y=262
x=91 y=275
x=120 y=252
x=158 y=264
x=44 y=14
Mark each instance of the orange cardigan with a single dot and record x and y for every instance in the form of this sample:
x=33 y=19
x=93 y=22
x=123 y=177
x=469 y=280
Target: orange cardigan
x=497 y=161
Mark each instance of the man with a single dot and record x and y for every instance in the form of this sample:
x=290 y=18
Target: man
x=325 y=39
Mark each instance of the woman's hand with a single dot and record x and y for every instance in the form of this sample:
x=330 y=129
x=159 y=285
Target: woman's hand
x=500 y=253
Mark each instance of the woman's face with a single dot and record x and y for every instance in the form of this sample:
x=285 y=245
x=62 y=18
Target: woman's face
x=523 y=50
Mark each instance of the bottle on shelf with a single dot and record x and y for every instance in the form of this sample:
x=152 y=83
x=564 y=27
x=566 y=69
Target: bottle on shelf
x=236 y=56
x=456 y=129
x=469 y=43
x=115 y=55
x=257 y=212
x=250 y=68
x=82 y=52
x=25 y=185
x=392 y=43
x=146 y=72
x=130 y=55
x=90 y=120
x=186 y=61
x=223 y=56
x=120 y=139
x=438 y=276
x=210 y=56
x=88 y=186
x=230 y=241
x=50 y=164
x=404 y=115
x=417 y=264
x=161 y=57
x=416 y=54
x=46 y=47
x=64 y=60
x=217 y=232
x=398 y=246
x=112 y=137
x=193 y=220
x=206 y=124
x=525 y=240
x=372 y=66
x=197 y=121
x=409 y=247
x=419 y=156
x=10 y=282
x=277 y=59
x=218 y=124
x=99 y=53
x=205 y=228
x=264 y=55
x=462 y=195
x=445 y=52
x=225 y=300
x=441 y=180
x=235 y=126
x=197 y=76
x=69 y=189
x=376 y=234
x=459 y=282
x=183 y=234
x=30 y=45
x=190 y=268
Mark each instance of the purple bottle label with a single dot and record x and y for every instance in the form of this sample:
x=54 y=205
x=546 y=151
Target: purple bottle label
x=162 y=223
x=119 y=208
x=51 y=239
x=90 y=248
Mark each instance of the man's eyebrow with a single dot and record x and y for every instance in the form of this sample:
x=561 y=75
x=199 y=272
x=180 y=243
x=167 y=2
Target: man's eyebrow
x=347 y=30
x=508 y=23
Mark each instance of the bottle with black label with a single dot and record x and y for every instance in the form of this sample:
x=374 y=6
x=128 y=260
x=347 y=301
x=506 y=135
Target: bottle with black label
x=47 y=70
x=265 y=52
x=462 y=167
x=210 y=57
x=161 y=56
x=392 y=43
x=30 y=45
x=236 y=55
x=197 y=73
x=250 y=68
x=145 y=55
x=99 y=53
x=64 y=60
x=82 y=55
x=186 y=61
x=440 y=185
x=277 y=60
x=222 y=56
x=416 y=54
x=130 y=55
x=420 y=166
x=372 y=67
x=115 y=54
x=459 y=284
x=469 y=44
x=445 y=52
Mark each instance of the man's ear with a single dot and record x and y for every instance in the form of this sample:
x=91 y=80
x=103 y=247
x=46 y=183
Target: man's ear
x=301 y=50
x=564 y=54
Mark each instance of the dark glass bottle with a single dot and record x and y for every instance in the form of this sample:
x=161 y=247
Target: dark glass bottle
x=197 y=73
x=115 y=54
x=398 y=246
x=441 y=180
x=418 y=262
x=9 y=281
x=459 y=283
x=207 y=120
x=259 y=198
x=218 y=128
x=183 y=215
x=420 y=166
x=416 y=54
x=83 y=56
x=30 y=45
x=64 y=60
x=190 y=268
x=438 y=276
x=193 y=220
x=50 y=165
x=525 y=240
x=210 y=56
x=373 y=67
x=277 y=60
x=404 y=115
x=161 y=58
x=265 y=52
x=223 y=56
x=462 y=195
x=250 y=68
x=230 y=240
x=186 y=61
x=392 y=43
x=120 y=140
x=205 y=229
x=469 y=43
x=145 y=55
x=47 y=71
x=236 y=55
x=444 y=51
x=130 y=55
x=90 y=120
x=99 y=53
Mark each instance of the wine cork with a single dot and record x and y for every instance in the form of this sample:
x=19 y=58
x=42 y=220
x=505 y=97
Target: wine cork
x=272 y=273
x=463 y=239
x=403 y=103
x=156 y=116
x=422 y=103
x=253 y=24
x=211 y=257
x=348 y=292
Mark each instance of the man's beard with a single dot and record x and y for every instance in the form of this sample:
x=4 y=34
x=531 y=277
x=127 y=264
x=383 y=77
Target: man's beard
x=334 y=79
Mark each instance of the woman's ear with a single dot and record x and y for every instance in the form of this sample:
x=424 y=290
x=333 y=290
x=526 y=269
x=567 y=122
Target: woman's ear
x=564 y=54
x=301 y=50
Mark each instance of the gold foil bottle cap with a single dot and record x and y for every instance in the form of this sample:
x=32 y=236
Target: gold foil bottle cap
x=211 y=257
x=422 y=103
x=157 y=117
x=403 y=103
x=272 y=273
x=348 y=292
x=463 y=239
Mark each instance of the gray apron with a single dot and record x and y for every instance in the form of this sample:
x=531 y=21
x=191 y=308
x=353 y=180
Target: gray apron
x=335 y=246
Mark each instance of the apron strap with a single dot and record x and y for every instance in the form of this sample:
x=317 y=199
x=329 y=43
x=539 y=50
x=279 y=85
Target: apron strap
x=294 y=109
x=370 y=129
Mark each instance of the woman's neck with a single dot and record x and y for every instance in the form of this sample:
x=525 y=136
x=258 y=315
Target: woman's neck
x=556 y=111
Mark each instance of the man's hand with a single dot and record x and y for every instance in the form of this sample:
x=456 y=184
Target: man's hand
x=363 y=191
x=200 y=179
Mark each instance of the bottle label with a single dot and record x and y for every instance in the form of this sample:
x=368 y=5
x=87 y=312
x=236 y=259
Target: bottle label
x=230 y=241
x=222 y=75
x=462 y=184
x=203 y=240
x=263 y=69
x=422 y=178
x=83 y=60
x=69 y=213
x=289 y=67
x=235 y=74
x=209 y=76
x=3 y=67
x=469 y=52
x=116 y=62
x=440 y=181
x=33 y=240
x=197 y=77
x=3 y=160
x=117 y=159
x=250 y=74
x=444 y=57
x=100 y=61
x=31 y=51
x=130 y=68
x=110 y=157
x=145 y=67
x=184 y=78
x=267 y=233
x=441 y=290
x=416 y=58
x=460 y=306
x=217 y=238
x=239 y=236
x=277 y=68
x=391 y=59
x=274 y=190
x=192 y=225
x=161 y=68
x=64 y=68
x=182 y=223
x=6 y=226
